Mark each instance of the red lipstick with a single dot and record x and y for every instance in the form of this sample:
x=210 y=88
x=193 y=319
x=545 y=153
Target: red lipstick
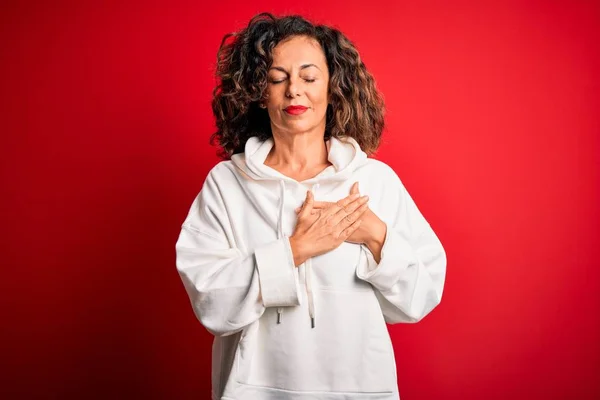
x=295 y=110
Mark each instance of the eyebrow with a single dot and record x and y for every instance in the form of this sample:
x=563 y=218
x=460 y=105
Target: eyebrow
x=303 y=66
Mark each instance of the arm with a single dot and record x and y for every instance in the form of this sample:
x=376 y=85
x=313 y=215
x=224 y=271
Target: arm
x=408 y=276
x=228 y=288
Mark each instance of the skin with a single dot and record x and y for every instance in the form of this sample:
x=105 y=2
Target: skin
x=299 y=76
x=371 y=232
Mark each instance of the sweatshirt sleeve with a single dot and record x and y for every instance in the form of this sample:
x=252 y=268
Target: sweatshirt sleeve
x=230 y=288
x=409 y=278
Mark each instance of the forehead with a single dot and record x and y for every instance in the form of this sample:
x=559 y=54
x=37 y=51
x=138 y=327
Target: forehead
x=299 y=50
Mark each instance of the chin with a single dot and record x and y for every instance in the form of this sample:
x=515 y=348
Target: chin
x=300 y=127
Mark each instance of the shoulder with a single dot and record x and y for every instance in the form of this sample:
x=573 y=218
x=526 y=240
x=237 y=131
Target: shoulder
x=381 y=171
x=222 y=173
x=217 y=178
x=222 y=169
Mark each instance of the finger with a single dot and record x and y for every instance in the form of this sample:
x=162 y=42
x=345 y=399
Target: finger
x=335 y=207
x=313 y=212
x=346 y=233
x=350 y=208
x=322 y=204
x=347 y=216
x=354 y=188
x=346 y=201
x=316 y=205
x=329 y=215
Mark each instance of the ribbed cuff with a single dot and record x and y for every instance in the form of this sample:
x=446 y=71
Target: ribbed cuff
x=277 y=274
x=396 y=256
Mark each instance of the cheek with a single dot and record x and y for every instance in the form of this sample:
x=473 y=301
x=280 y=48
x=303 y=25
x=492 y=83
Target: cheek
x=320 y=101
x=320 y=95
x=273 y=95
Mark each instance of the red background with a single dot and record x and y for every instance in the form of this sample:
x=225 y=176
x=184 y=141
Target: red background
x=492 y=125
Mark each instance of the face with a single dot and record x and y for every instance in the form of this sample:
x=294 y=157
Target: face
x=298 y=77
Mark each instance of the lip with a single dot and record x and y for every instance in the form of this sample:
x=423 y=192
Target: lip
x=295 y=110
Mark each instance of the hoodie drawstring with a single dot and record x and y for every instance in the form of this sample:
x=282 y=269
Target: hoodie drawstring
x=308 y=263
x=280 y=231
x=309 y=293
x=344 y=154
x=308 y=273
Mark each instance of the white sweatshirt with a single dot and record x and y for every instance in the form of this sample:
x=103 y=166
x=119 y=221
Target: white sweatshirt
x=318 y=331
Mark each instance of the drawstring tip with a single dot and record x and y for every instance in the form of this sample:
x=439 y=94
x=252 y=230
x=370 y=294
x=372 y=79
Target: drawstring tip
x=312 y=322
x=278 y=316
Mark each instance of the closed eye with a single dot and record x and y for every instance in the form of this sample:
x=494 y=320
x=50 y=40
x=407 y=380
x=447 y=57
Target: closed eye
x=309 y=80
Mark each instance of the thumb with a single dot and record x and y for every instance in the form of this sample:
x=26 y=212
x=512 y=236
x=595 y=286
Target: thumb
x=307 y=206
x=354 y=188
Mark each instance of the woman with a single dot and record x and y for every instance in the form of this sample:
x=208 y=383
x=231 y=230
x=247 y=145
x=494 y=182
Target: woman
x=285 y=262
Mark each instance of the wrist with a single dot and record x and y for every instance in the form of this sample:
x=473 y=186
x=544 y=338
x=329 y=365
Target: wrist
x=298 y=251
x=374 y=246
x=378 y=236
x=375 y=242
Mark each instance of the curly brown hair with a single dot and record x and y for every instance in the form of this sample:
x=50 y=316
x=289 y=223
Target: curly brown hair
x=243 y=61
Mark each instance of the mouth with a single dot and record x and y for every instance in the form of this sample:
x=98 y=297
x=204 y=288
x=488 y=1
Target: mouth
x=295 y=110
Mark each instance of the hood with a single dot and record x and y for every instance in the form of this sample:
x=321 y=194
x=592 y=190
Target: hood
x=345 y=155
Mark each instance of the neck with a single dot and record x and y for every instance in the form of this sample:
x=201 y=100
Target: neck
x=298 y=153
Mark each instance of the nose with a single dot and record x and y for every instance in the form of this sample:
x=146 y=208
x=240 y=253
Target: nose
x=293 y=89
